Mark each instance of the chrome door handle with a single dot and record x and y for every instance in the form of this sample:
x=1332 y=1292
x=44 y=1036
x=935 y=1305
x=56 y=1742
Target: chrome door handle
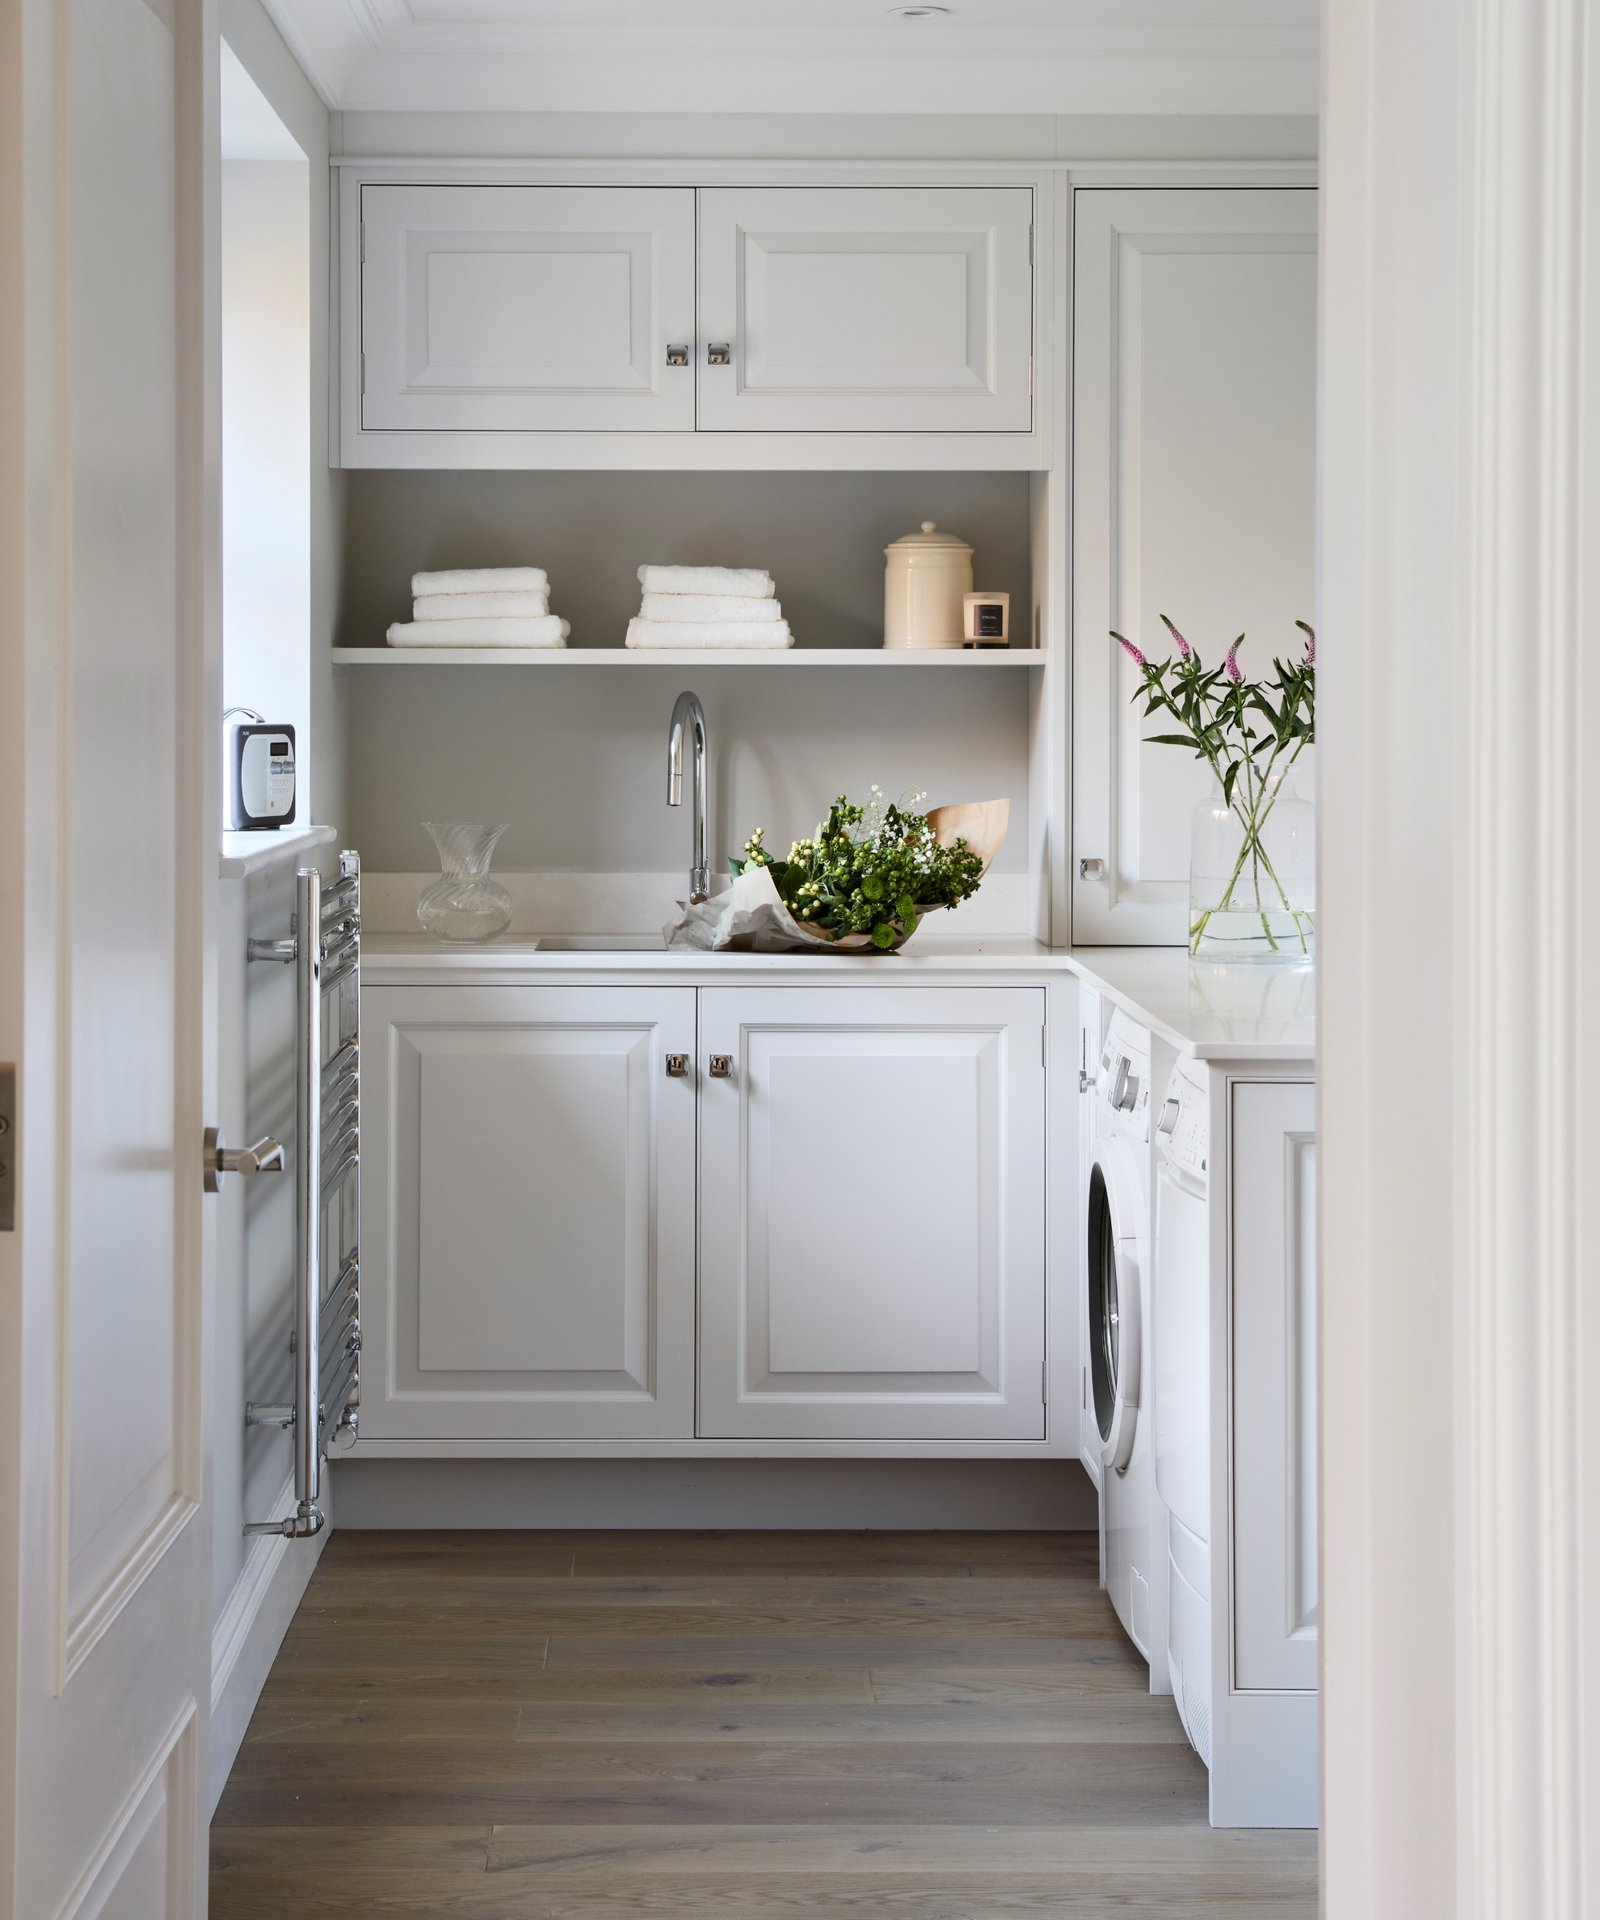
x=719 y=353
x=677 y=356
x=219 y=1160
x=721 y=1065
x=677 y=1066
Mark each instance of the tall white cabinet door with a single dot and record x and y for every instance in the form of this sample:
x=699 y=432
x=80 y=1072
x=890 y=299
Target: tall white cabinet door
x=1193 y=495
x=866 y=309
x=1273 y=1446
x=527 y=309
x=528 y=1213
x=872 y=1214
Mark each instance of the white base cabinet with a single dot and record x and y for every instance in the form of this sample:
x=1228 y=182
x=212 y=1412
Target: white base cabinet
x=872 y=1214
x=528 y=1213
x=868 y=1174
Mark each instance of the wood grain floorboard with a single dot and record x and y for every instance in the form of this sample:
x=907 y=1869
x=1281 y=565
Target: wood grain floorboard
x=727 y=1726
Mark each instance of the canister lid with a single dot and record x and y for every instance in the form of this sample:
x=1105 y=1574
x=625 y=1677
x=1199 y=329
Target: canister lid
x=929 y=539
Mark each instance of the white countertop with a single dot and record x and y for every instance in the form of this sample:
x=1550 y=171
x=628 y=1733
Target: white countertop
x=1211 y=1011
x=247 y=853
x=1214 y=1012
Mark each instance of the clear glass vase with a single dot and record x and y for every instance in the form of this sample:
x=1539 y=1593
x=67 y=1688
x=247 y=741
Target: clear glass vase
x=464 y=903
x=1253 y=874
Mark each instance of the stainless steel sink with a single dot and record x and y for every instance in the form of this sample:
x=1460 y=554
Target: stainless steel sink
x=601 y=943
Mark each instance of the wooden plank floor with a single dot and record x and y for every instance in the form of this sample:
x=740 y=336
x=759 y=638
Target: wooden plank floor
x=597 y=1726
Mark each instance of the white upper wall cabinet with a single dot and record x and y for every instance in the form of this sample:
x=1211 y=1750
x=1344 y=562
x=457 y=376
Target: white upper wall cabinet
x=485 y=321
x=866 y=309
x=491 y=309
x=1194 y=441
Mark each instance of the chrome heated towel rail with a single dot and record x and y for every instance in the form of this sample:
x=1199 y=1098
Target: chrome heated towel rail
x=324 y=947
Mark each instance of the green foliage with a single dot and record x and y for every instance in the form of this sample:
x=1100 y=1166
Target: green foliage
x=1249 y=732
x=871 y=870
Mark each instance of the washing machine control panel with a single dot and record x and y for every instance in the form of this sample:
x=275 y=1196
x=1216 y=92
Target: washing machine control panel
x=1183 y=1126
x=1124 y=1077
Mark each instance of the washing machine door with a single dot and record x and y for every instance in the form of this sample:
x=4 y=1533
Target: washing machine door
x=1115 y=1304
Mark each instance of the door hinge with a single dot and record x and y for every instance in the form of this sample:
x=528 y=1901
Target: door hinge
x=8 y=1148
x=364 y=243
x=1030 y=246
x=1030 y=376
x=1044 y=1383
x=363 y=386
x=1084 y=1403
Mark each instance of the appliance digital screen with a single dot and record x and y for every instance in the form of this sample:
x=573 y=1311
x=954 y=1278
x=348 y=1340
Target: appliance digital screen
x=280 y=746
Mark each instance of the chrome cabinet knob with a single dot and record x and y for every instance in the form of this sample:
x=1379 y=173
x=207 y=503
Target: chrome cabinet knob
x=677 y=1066
x=721 y=1065
x=218 y=1159
x=677 y=356
x=719 y=353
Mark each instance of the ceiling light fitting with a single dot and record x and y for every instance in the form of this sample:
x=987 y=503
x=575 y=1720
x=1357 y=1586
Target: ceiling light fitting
x=918 y=12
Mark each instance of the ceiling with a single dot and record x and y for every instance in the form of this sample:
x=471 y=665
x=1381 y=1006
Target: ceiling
x=807 y=56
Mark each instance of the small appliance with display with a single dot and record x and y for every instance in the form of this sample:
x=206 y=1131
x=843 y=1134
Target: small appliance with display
x=261 y=765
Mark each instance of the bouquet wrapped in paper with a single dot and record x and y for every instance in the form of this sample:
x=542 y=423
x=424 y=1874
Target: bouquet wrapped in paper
x=864 y=882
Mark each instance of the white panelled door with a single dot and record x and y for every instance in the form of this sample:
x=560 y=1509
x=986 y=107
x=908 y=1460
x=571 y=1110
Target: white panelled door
x=527 y=309
x=108 y=847
x=872 y=1213
x=1273 y=1445
x=528 y=1216
x=1193 y=495
x=866 y=309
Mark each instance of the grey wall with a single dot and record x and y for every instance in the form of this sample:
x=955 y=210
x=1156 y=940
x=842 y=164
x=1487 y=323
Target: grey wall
x=821 y=534
x=574 y=758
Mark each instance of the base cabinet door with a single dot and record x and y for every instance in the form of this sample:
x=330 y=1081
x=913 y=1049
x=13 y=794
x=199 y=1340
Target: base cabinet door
x=528 y=1213
x=866 y=309
x=499 y=309
x=1273 y=1162
x=872 y=1214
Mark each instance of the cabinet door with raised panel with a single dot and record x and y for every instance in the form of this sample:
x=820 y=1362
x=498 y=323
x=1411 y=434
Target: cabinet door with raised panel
x=527 y=309
x=528 y=1213
x=1273 y=1445
x=872 y=1213
x=1193 y=495
x=866 y=309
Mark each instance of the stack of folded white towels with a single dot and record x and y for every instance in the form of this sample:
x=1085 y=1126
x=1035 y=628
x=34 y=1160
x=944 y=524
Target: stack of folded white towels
x=708 y=607
x=481 y=607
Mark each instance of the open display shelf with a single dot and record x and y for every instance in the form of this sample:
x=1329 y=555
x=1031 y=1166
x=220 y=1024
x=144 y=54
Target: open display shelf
x=952 y=658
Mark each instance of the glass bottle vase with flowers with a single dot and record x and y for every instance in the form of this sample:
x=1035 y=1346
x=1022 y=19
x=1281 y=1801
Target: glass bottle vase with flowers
x=1252 y=864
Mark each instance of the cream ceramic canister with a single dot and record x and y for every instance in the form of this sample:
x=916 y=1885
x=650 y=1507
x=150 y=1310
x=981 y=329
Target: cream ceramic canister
x=926 y=579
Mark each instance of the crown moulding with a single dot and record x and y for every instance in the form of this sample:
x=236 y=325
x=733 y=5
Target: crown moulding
x=381 y=56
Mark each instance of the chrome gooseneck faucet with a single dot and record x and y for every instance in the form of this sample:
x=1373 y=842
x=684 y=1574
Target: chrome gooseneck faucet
x=689 y=713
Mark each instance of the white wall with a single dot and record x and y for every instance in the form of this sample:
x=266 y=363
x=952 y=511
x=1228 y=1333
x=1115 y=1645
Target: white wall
x=251 y=37
x=266 y=441
x=292 y=495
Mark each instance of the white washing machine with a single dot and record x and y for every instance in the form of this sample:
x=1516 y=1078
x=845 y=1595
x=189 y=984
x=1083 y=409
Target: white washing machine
x=1183 y=1387
x=1120 y=1326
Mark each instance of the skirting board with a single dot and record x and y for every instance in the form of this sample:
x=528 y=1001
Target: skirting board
x=250 y=1629
x=740 y=1495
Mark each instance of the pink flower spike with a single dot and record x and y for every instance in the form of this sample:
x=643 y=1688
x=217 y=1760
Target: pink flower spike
x=1130 y=649
x=1184 y=649
x=1311 y=642
x=1230 y=666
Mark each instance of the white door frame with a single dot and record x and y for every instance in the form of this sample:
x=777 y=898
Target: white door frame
x=1460 y=1327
